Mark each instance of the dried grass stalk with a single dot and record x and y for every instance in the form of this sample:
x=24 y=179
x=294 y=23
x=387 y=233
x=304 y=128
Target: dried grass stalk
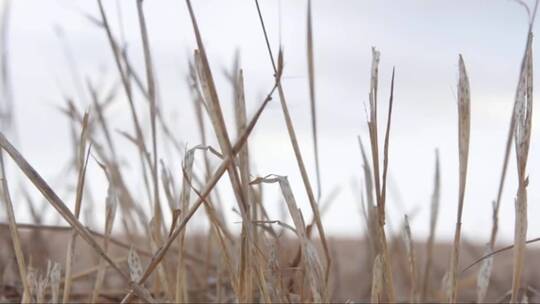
x=380 y=191
x=153 y=109
x=134 y=265
x=110 y=209
x=15 y=239
x=435 y=199
x=82 y=163
x=372 y=124
x=312 y=99
x=136 y=269
x=522 y=137
x=409 y=247
x=368 y=206
x=249 y=263
x=377 y=281
x=482 y=281
x=181 y=294
x=464 y=125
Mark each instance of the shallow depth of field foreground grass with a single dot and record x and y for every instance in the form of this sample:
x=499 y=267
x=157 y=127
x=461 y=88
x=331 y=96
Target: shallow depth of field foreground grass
x=146 y=249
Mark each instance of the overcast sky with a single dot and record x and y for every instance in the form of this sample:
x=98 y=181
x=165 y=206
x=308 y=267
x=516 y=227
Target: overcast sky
x=422 y=39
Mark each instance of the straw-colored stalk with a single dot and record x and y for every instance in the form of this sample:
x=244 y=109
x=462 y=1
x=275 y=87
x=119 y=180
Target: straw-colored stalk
x=14 y=233
x=377 y=282
x=135 y=269
x=380 y=191
x=409 y=247
x=134 y=265
x=435 y=199
x=312 y=99
x=249 y=255
x=522 y=137
x=368 y=206
x=82 y=163
x=110 y=213
x=464 y=125
x=482 y=279
x=181 y=294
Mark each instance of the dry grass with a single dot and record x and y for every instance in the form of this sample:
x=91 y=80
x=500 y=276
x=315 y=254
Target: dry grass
x=464 y=126
x=155 y=258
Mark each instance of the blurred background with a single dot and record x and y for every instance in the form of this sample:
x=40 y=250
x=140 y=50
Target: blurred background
x=55 y=50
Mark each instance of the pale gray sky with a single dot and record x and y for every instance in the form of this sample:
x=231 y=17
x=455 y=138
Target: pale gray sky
x=422 y=39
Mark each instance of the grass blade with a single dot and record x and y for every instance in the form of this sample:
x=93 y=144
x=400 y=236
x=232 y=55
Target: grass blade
x=313 y=104
x=522 y=137
x=435 y=199
x=83 y=162
x=464 y=125
x=15 y=238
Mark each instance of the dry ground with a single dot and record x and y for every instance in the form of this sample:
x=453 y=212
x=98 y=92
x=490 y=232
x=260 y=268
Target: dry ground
x=351 y=278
